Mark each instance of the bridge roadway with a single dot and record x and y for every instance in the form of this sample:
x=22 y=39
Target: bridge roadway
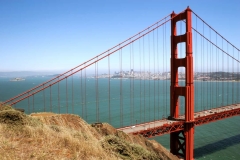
x=165 y=126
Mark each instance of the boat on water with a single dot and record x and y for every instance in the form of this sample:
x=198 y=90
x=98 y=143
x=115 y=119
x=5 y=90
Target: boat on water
x=17 y=79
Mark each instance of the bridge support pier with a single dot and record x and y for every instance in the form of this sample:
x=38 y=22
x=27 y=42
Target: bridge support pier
x=182 y=142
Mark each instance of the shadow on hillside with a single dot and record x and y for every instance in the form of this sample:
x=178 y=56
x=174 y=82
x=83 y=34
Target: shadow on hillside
x=216 y=146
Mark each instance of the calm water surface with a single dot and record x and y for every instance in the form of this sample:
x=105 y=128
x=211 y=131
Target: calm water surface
x=217 y=141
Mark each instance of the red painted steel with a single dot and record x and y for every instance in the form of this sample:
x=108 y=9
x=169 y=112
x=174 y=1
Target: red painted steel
x=178 y=126
x=216 y=116
x=158 y=131
x=176 y=147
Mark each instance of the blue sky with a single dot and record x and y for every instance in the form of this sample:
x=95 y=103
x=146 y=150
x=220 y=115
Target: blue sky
x=49 y=35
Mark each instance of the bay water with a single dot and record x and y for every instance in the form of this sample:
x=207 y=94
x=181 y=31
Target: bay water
x=139 y=101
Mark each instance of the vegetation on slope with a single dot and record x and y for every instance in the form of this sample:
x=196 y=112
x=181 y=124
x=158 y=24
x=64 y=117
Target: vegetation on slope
x=66 y=136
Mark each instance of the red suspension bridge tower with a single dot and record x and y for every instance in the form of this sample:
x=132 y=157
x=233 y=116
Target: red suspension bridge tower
x=182 y=142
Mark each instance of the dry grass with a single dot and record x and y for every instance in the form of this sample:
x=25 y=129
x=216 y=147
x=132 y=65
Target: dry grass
x=63 y=136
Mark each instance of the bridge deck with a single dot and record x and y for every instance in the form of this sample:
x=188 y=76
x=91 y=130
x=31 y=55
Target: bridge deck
x=164 y=126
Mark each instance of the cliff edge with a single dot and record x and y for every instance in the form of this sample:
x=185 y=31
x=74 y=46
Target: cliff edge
x=67 y=136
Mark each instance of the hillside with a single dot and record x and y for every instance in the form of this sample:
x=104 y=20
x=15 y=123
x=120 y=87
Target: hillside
x=65 y=136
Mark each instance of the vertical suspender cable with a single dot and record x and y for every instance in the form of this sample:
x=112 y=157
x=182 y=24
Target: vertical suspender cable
x=207 y=74
x=33 y=103
x=29 y=105
x=144 y=80
x=195 y=62
x=96 y=92
x=121 y=101
x=72 y=96
x=85 y=94
x=154 y=76
x=222 y=73
x=149 y=76
x=82 y=93
x=210 y=70
x=165 y=43
x=50 y=98
x=121 y=91
x=218 y=84
x=140 y=78
x=133 y=80
x=228 y=76
x=158 y=79
x=44 y=103
x=202 y=51
x=67 y=94
x=98 y=120
x=164 y=73
x=58 y=98
x=217 y=70
x=109 y=91
x=202 y=56
x=214 y=59
x=233 y=77
x=130 y=82
x=238 y=79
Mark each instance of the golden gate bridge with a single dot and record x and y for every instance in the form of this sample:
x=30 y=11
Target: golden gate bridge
x=172 y=76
